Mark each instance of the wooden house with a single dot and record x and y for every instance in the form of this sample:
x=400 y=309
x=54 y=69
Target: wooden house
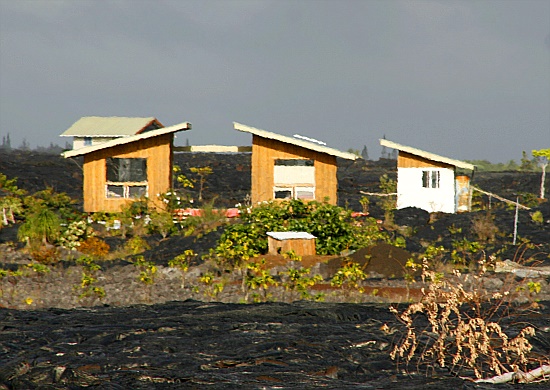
x=430 y=182
x=292 y=168
x=94 y=130
x=123 y=169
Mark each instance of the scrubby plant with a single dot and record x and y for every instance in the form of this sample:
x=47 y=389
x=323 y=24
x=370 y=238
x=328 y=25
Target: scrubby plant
x=147 y=270
x=88 y=284
x=10 y=205
x=464 y=252
x=349 y=277
x=161 y=222
x=65 y=207
x=297 y=281
x=364 y=202
x=389 y=203
x=257 y=277
x=182 y=263
x=292 y=256
x=537 y=217
x=483 y=226
x=211 y=288
x=75 y=233
x=41 y=226
x=136 y=245
x=202 y=173
x=95 y=247
x=465 y=329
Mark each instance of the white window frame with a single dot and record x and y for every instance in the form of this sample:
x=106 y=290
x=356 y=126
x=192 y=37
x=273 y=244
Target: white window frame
x=126 y=186
x=125 y=190
x=296 y=176
x=294 y=191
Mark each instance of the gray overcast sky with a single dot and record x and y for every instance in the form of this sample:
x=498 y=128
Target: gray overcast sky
x=463 y=79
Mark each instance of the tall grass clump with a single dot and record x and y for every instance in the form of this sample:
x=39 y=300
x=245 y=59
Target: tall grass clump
x=464 y=329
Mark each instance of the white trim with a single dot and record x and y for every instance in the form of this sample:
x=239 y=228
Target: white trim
x=126 y=140
x=294 y=141
x=427 y=155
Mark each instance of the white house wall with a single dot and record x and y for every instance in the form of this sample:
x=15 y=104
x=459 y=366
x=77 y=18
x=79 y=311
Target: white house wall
x=410 y=192
x=79 y=142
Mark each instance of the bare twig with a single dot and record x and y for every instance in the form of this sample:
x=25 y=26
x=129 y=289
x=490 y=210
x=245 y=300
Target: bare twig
x=520 y=376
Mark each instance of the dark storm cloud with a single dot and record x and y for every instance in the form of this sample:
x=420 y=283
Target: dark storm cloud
x=467 y=80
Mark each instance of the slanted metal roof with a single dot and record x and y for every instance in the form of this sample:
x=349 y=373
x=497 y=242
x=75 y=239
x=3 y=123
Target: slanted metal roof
x=427 y=155
x=114 y=126
x=294 y=141
x=126 y=140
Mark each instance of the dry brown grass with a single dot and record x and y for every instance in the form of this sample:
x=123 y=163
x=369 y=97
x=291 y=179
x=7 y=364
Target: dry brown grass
x=464 y=332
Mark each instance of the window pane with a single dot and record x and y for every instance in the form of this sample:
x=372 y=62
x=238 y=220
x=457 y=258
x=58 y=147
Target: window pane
x=435 y=179
x=115 y=191
x=305 y=193
x=126 y=169
x=138 y=169
x=283 y=194
x=294 y=162
x=425 y=179
x=137 y=191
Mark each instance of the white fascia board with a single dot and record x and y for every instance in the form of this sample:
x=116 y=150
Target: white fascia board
x=291 y=235
x=125 y=140
x=427 y=155
x=294 y=141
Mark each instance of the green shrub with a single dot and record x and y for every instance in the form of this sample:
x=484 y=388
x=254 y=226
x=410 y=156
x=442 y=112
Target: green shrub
x=334 y=228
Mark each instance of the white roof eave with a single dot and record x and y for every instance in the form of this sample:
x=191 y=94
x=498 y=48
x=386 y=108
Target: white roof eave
x=427 y=155
x=125 y=140
x=294 y=141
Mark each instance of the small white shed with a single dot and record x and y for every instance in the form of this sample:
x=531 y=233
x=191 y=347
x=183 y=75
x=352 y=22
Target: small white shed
x=429 y=181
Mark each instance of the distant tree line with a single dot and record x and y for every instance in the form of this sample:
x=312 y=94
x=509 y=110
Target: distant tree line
x=526 y=164
x=25 y=146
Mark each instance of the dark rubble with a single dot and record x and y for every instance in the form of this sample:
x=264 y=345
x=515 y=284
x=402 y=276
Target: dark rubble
x=192 y=344
x=196 y=345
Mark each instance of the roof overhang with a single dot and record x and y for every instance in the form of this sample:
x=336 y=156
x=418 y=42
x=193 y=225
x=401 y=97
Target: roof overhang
x=126 y=140
x=294 y=141
x=427 y=155
x=112 y=126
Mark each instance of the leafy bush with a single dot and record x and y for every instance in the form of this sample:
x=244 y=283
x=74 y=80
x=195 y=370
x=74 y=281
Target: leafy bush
x=334 y=228
x=41 y=225
x=75 y=233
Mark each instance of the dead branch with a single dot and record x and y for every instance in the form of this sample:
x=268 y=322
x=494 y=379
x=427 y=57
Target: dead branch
x=377 y=193
x=520 y=376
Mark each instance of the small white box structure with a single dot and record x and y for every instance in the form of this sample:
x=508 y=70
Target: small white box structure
x=302 y=243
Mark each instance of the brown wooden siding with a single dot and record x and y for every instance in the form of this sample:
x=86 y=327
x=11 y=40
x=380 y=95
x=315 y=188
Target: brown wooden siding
x=301 y=247
x=157 y=151
x=264 y=153
x=407 y=160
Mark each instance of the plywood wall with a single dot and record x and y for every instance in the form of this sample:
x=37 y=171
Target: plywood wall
x=157 y=151
x=264 y=153
x=407 y=160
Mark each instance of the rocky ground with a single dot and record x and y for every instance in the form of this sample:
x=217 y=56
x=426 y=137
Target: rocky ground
x=171 y=334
